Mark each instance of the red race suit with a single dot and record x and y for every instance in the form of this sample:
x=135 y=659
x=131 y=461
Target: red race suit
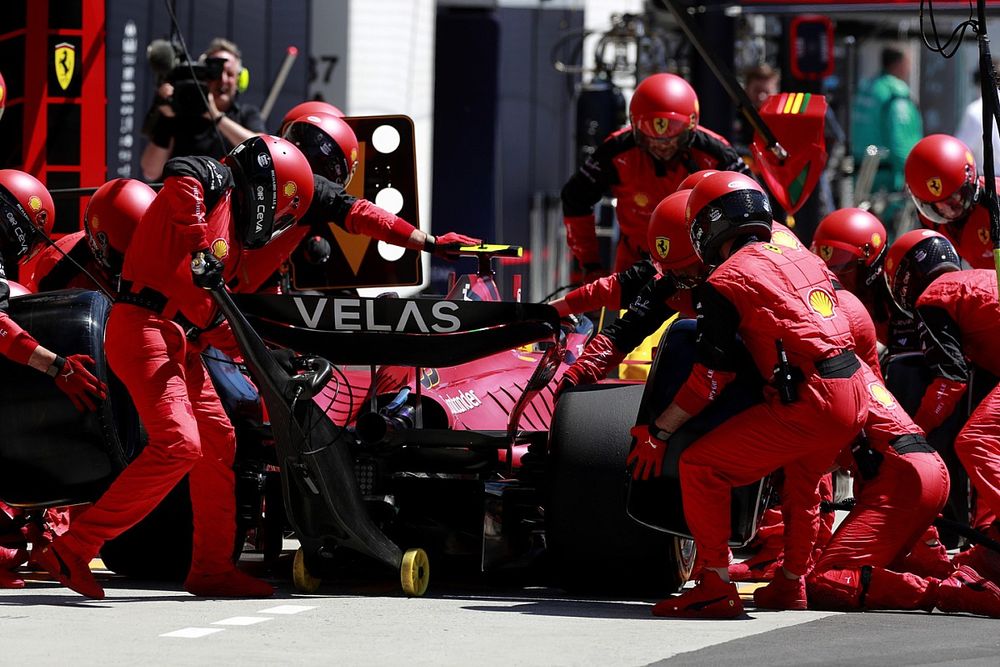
x=762 y=294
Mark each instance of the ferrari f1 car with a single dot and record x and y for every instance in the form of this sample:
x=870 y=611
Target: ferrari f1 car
x=456 y=448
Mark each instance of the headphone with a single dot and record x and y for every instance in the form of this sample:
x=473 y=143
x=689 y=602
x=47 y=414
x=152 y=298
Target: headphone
x=242 y=79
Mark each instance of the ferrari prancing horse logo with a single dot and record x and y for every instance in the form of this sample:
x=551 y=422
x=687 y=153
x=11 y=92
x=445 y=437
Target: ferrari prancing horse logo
x=65 y=61
x=662 y=246
x=934 y=185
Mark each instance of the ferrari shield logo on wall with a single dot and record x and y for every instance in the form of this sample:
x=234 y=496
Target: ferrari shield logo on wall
x=65 y=61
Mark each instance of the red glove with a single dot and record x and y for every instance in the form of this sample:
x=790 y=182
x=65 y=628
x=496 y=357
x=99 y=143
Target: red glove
x=447 y=245
x=74 y=380
x=647 y=455
x=593 y=365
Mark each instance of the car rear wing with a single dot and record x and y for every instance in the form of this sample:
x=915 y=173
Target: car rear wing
x=405 y=332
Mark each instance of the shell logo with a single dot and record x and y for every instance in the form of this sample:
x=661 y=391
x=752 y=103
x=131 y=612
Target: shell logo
x=934 y=185
x=220 y=248
x=640 y=199
x=289 y=189
x=968 y=158
x=825 y=252
x=881 y=394
x=354 y=155
x=35 y=203
x=784 y=239
x=95 y=223
x=821 y=303
x=773 y=248
x=662 y=245
x=876 y=240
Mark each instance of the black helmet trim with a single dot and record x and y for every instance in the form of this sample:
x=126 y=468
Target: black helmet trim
x=257 y=188
x=918 y=268
x=735 y=214
x=876 y=268
x=15 y=225
x=325 y=156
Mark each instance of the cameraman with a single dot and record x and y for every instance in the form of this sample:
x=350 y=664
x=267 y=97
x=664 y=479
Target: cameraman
x=176 y=132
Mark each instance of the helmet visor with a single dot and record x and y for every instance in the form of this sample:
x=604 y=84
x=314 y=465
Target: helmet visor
x=951 y=208
x=663 y=127
x=839 y=260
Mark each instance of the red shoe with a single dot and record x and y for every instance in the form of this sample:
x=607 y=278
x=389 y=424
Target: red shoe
x=982 y=559
x=230 y=584
x=11 y=558
x=929 y=561
x=69 y=570
x=10 y=580
x=711 y=598
x=763 y=564
x=966 y=591
x=782 y=593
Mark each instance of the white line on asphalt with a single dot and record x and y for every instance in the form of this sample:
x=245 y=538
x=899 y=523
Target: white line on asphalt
x=286 y=609
x=192 y=633
x=242 y=620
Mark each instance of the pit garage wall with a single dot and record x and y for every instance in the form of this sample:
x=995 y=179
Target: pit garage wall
x=503 y=119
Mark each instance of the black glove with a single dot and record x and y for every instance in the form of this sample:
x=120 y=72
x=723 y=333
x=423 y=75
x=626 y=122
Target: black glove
x=206 y=269
x=285 y=358
x=317 y=250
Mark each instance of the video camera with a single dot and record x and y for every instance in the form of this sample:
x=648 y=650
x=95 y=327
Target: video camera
x=171 y=65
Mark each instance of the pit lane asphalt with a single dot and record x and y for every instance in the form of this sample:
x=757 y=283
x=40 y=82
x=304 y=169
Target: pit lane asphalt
x=373 y=624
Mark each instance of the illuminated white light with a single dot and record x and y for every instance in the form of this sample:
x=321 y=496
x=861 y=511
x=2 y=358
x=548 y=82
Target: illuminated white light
x=385 y=139
x=390 y=199
x=389 y=252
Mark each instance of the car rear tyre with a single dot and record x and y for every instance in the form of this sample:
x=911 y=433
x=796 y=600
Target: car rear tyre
x=594 y=547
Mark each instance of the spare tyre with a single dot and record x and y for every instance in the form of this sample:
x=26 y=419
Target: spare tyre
x=50 y=453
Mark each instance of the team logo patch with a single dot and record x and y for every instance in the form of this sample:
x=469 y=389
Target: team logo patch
x=289 y=189
x=35 y=203
x=934 y=186
x=640 y=199
x=220 y=248
x=773 y=248
x=662 y=246
x=822 y=303
x=660 y=125
x=825 y=253
x=881 y=394
x=876 y=240
x=984 y=235
x=784 y=239
x=354 y=155
x=264 y=160
x=95 y=223
x=968 y=158
x=64 y=62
